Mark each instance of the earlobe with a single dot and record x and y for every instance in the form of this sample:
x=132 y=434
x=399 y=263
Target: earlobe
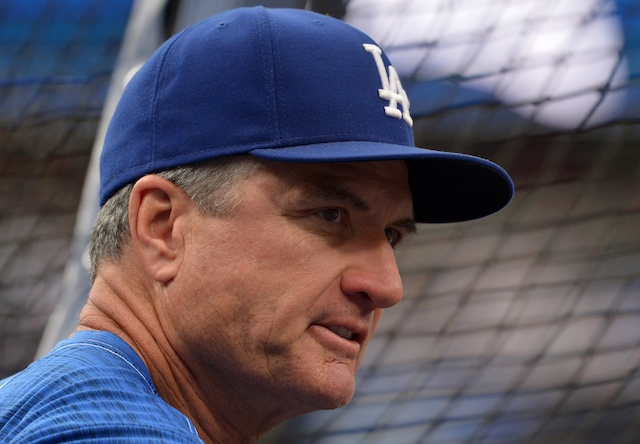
x=157 y=210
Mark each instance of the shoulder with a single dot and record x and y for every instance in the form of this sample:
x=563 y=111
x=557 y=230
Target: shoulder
x=93 y=387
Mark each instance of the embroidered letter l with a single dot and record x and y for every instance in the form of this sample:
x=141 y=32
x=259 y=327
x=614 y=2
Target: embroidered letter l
x=391 y=87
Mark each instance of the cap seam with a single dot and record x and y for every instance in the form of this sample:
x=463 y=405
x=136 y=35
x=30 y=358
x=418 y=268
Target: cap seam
x=271 y=31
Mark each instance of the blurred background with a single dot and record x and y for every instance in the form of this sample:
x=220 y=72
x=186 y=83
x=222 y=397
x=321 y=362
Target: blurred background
x=520 y=327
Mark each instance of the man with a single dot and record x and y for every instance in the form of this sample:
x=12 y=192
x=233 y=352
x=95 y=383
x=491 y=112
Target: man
x=255 y=179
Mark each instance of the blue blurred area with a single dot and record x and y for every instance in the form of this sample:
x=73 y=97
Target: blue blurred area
x=629 y=11
x=56 y=56
x=630 y=17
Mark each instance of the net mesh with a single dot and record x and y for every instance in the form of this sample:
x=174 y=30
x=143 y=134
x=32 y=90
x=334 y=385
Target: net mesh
x=520 y=327
x=56 y=59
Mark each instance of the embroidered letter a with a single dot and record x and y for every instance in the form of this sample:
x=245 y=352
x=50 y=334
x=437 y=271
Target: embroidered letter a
x=391 y=88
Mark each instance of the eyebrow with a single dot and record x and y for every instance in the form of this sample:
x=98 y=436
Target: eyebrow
x=327 y=190
x=407 y=224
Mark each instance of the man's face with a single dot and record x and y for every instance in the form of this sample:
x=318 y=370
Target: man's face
x=279 y=300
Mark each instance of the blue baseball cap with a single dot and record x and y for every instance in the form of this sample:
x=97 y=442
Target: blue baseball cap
x=285 y=85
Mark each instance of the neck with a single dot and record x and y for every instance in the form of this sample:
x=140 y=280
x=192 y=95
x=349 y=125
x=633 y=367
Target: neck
x=117 y=306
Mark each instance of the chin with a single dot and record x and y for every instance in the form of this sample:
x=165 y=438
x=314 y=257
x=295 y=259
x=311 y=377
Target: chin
x=325 y=384
x=332 y=394
x=324 y=401
x=340 y=402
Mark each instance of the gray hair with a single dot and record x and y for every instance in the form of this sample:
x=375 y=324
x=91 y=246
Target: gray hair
x=209 y=184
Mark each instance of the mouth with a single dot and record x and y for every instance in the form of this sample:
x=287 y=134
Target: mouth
x=341 y=340
x=343 y=332
x=353 y=332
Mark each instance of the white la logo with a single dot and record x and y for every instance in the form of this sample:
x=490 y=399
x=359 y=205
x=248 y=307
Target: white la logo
x=391 y=87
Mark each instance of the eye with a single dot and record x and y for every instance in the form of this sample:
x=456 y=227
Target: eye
x=393 y=236
x=331 y=214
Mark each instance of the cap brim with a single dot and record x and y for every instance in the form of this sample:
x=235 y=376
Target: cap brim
x=446 y=187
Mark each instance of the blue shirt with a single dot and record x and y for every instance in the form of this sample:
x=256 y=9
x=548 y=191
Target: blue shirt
x=92 y=388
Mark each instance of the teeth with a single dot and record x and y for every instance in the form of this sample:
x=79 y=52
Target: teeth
x=342 y=332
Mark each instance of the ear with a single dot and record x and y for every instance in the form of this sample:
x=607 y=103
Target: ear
x=158 y=219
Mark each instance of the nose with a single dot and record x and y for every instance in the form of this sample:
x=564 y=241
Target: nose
x=373 y=273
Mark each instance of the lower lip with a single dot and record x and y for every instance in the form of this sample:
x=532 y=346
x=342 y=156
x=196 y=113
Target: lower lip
x=339 y=345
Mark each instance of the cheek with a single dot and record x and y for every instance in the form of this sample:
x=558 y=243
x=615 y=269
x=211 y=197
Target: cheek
x=261 y=285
